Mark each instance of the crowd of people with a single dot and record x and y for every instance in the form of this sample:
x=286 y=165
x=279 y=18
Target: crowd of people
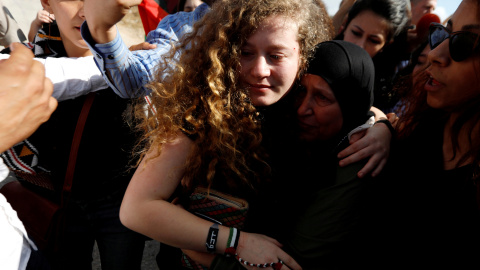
x=353 y=138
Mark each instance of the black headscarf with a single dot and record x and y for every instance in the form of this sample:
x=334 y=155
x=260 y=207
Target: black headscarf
x=350 y=73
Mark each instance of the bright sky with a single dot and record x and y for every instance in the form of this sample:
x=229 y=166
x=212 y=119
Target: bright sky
x=444 y=9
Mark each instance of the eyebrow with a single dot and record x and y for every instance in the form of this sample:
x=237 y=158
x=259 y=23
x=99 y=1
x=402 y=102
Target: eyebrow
x=358 y=27
x=471 y=27
x=271 y=47
x=363 y=31
x=465 y=27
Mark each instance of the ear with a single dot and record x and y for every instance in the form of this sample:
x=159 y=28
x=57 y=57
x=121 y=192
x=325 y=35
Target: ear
x=343 y=25
x=46 y=6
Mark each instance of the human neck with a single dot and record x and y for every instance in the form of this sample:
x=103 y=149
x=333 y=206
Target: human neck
x=452 y=156
x=73 y=50
x=77 y=52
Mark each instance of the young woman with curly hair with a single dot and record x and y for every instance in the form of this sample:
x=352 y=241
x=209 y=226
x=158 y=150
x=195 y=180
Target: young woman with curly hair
x=207 y=118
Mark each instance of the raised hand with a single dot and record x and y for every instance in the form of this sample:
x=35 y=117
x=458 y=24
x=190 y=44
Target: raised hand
x=25 y=96
x=101 y=17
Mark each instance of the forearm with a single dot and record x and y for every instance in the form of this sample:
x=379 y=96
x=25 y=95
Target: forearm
x=379 y=115
x=169 y=224
x=128 y=72
x=146 y=209
x=34 y=27
x=125 y=72
x=71 y=77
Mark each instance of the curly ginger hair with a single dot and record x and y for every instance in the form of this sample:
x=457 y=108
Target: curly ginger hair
x=202 y=98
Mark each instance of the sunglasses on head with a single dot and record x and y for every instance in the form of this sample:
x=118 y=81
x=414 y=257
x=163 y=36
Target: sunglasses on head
x=462 y=43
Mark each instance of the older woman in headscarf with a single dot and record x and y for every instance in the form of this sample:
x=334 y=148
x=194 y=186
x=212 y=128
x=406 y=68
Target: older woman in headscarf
x=334 y=102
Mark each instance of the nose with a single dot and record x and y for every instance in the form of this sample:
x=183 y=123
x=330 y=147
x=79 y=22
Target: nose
x=81 y=12
x=305 y=108
x=260 y=68
x=440 y=55
x=360 y=42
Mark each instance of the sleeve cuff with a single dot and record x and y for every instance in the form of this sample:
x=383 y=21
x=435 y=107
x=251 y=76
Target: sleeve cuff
x=106 y=54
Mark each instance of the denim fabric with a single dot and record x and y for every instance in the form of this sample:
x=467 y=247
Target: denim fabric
x=119 y=247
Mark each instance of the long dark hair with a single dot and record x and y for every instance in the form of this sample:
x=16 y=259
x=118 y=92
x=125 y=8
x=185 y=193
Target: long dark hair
x=468 y=119
x=397 y=14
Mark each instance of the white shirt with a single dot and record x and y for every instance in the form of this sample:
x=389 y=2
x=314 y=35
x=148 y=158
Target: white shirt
x=15 y=246
x=71 y=77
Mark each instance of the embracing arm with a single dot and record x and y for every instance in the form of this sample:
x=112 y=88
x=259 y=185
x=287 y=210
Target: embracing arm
x=145 y=209
x=373 y=144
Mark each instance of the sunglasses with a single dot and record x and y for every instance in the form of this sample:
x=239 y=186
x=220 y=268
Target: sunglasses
x=462 y=43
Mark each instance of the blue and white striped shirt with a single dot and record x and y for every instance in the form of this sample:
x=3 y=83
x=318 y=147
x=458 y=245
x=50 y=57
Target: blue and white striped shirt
x=131 y=71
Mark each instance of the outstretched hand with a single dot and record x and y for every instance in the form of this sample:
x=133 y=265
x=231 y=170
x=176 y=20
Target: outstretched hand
x=260 y=249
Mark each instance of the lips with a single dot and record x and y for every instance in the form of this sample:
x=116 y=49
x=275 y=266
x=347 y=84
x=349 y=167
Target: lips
x=304 y=125
x=260 y=87
x=432 y=84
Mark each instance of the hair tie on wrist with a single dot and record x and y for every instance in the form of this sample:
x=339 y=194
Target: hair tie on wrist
x=388 y=124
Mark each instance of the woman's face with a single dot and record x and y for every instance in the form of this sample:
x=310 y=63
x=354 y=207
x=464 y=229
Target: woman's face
x=367 y=30
x=319 y=114
x=421 y=64
x=270 y=60
x=69 y=16
x=191 y=5
x=451 y=83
